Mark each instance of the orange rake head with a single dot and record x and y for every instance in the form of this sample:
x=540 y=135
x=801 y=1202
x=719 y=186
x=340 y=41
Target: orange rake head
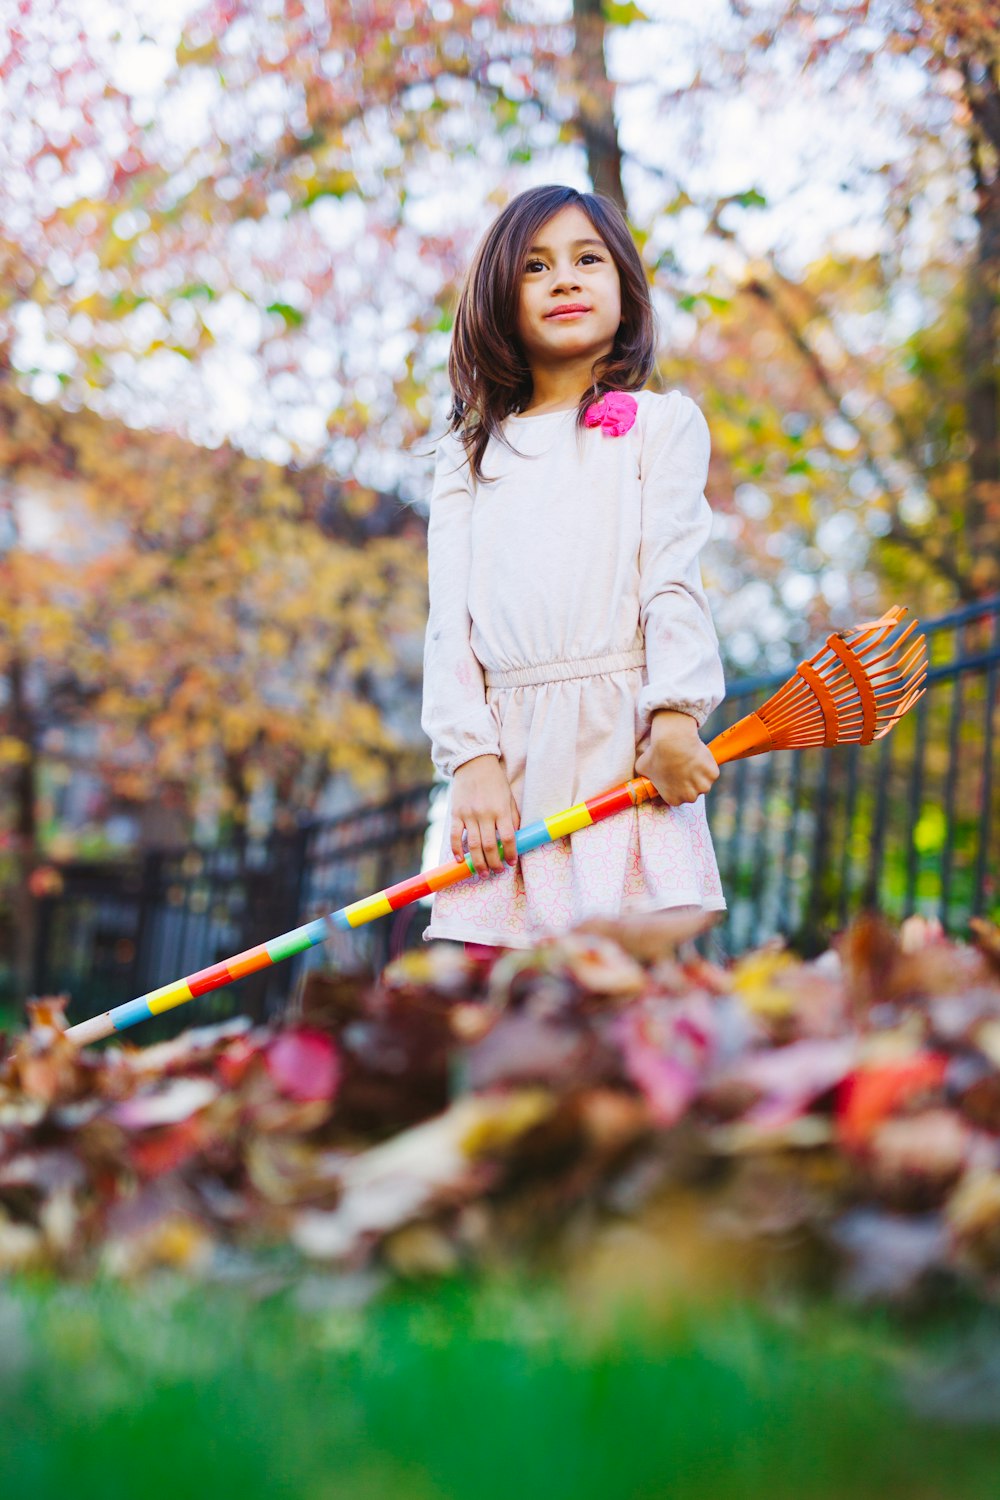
x=851 y=692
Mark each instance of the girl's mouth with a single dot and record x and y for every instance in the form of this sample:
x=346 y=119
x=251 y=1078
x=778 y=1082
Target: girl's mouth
x=569 y=312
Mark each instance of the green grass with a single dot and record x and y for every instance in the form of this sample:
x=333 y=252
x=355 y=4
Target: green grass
x=489 y=1392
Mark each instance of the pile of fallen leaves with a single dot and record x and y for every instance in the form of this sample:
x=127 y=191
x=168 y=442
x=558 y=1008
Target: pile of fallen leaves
x=453 y=1111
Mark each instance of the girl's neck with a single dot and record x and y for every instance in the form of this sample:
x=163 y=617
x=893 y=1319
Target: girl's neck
x=540 y=411
x=541 y=401
x=555 y=389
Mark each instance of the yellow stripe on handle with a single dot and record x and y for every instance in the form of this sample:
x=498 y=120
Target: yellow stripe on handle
x=571 y=821
x=167 y=997
x=368 y=909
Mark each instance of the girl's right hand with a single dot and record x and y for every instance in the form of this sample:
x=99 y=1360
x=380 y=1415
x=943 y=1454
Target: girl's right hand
x=482 y=804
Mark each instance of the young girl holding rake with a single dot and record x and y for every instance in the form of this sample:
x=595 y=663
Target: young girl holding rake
x=569 y=643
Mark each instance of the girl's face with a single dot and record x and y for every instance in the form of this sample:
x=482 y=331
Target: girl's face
x=568 y=265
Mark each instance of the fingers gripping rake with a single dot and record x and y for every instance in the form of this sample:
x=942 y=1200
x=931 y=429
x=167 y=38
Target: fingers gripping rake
x=851 y=692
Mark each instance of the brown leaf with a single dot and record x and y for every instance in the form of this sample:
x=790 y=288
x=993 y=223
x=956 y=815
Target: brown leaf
x=986 y=936
x=973 y=1213
x=526 y=1049
x=869 y=951
x=649 y=937
x=915 y=1160
x=600 y=965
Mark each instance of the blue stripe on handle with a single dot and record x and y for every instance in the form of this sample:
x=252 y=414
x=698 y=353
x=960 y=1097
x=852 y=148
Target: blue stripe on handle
x=532 y=837
x=129 y=1013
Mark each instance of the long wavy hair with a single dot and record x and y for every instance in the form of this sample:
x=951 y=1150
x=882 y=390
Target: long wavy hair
x=489 y=374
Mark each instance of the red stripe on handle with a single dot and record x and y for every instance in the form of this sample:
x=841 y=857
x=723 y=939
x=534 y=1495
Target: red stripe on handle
x=209 y=979
x=606 y=803
x=407 y=890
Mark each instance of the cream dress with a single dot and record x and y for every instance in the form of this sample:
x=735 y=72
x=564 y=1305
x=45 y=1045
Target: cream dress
x=566 y=606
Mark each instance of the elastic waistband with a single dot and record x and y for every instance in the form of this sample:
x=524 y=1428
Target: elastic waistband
x=563 y=671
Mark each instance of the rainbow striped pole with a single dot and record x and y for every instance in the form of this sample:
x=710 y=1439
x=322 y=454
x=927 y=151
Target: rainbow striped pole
x=544 y=831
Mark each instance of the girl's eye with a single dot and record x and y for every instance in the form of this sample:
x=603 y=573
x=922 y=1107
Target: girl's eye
x=587 y=255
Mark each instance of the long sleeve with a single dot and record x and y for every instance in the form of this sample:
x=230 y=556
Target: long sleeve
x=455 y=716
x=683 y=665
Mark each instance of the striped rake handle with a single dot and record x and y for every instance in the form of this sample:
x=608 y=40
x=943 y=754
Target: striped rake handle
x=852 y=691
x=532 y=836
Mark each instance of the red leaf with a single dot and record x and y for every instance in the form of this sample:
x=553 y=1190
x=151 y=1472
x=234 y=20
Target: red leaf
x=304 y=1065
x=165 y=1150
x=868 y=1095
x=233 y=1063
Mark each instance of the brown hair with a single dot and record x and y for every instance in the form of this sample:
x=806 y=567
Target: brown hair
x=489 y=374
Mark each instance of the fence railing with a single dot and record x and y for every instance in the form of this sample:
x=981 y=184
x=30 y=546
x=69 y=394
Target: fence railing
x=118 y=930
x=804 y=839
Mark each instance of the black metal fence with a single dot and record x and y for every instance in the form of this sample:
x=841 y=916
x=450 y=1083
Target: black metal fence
x=119 y=930
x=804 y=839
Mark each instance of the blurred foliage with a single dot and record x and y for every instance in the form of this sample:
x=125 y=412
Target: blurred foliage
x=832 y=1121
x=295 y=209
x=838 y=465
x=902 y=431
x=211 y=619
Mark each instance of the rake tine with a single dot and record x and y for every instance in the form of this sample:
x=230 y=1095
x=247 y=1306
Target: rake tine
x=906 y=700
x=891 y=685
x=900 y=687
x=894 y=613
x=918 y=681
x=889 y=620
x=906 y=673
x=915 y=653
x=870 y=640
x=918 y=688
x=870 y=662
x=886 y=700
x=897 y=668
x=864 y=641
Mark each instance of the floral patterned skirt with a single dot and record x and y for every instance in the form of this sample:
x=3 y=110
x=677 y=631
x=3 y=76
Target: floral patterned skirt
x=563 y=741
x=644 y=859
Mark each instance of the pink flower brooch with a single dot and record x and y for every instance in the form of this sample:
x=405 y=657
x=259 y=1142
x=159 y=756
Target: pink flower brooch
x=614 y=414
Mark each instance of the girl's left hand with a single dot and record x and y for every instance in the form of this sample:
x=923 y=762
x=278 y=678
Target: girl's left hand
x=676 y=760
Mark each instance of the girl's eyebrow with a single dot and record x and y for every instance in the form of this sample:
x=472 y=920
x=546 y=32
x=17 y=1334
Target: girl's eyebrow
x=544 y=249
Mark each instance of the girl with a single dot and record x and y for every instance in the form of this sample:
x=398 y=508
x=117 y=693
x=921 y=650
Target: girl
x=569 y=644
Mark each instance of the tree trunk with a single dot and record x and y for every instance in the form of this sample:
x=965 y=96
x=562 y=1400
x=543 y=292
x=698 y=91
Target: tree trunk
x=982 y=93
x=596 y=101
x=236 y=818
x=25 y=784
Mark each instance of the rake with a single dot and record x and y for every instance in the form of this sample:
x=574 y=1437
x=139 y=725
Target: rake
x=851 y=692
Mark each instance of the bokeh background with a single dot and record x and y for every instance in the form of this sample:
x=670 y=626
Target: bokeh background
x=383 y=1240
x=231 y=240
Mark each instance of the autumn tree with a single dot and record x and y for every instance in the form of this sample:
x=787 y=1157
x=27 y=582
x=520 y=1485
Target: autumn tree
x=300 y=203
x=924 y=412
x=214 y=622
x=375 y=104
